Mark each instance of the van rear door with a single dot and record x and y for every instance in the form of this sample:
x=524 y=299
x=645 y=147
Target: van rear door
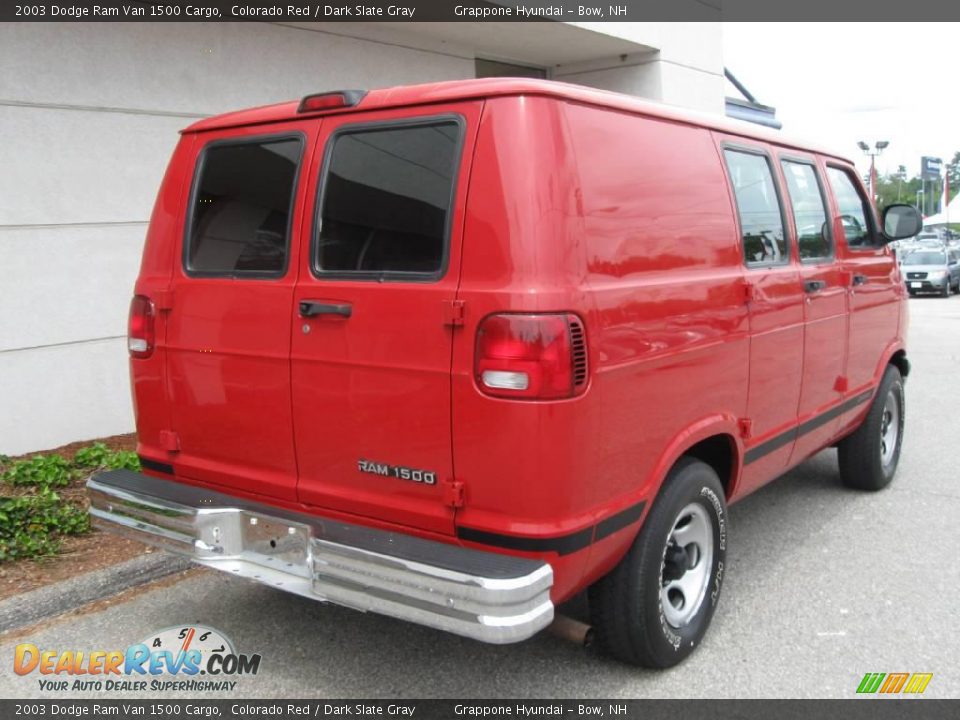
x=228 y=332
x=373 y=313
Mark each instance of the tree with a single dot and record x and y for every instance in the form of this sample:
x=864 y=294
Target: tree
x=896 y=188
x=953 y=175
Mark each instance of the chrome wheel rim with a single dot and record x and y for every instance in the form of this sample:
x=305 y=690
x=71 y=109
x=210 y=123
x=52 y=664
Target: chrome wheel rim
x=685 y=568
x=889 y=429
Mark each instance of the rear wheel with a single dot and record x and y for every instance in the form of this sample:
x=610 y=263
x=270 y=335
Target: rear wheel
x=868 y=458
x=654 y=608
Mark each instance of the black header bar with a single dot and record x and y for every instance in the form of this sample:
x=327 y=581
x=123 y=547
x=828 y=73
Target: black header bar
x=882 y=709
x=854 y=11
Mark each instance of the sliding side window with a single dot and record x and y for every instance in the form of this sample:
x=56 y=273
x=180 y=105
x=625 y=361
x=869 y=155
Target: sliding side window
x=758 y=205
x=809 y=211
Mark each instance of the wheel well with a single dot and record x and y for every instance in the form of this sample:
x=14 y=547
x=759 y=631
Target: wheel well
x=899 y=360
x=717 y=451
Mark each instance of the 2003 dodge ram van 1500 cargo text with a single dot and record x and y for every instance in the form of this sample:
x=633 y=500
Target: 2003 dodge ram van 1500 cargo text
x=457 y=352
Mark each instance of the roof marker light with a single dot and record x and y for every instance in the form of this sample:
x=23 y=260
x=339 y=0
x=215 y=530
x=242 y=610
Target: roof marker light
x=330 y=100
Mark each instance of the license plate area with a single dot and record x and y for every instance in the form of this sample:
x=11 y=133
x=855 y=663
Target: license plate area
x=269 y=542
x=916 y=284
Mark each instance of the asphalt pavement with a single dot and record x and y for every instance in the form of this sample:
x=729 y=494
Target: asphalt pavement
x=824 y=585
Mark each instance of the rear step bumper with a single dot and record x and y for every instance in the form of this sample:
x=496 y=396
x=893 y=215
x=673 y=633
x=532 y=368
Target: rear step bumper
x=482 y=595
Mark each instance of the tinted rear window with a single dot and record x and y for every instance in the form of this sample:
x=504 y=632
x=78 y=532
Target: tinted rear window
x=242 y=203
x=386 y=201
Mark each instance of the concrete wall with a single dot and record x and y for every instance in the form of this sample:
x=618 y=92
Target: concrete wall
x=685 y=69
x=89 y=114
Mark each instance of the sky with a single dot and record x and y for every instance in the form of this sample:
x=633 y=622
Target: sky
x=837 y=83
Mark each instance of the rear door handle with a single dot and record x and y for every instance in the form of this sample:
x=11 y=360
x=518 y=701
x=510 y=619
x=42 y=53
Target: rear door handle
x=311 y=308
x=812 y=286
x=859 y=280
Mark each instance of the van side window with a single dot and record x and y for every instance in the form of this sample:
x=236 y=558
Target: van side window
x=242 y=202
x=854 y=209
x=761 y=221
x=809 y=210
x=386 y=201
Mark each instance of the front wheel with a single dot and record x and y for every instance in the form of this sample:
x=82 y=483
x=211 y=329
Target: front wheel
x=654 y=608
x=869 y=456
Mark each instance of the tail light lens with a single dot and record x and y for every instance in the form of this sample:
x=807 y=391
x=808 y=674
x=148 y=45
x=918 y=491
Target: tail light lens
x=531 y=357
x=140 y=329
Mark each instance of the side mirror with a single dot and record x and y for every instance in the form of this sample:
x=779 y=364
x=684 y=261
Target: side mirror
x=901 y=221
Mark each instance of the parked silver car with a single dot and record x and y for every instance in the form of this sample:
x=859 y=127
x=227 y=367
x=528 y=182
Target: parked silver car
x=926 y=270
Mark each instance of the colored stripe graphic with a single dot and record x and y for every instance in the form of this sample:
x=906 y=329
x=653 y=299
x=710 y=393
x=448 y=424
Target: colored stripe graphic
x=894 y=682
x=918 y=683
x=870 y=682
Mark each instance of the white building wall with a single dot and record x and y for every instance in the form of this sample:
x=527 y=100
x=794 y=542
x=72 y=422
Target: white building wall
x=89 y=115
x=685 y=68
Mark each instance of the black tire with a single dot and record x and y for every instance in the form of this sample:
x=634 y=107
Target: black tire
x=861 y=454
x=945 y=292
x=626 y=606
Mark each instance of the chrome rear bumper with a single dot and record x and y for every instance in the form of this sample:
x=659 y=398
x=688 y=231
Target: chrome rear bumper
x=482 y=595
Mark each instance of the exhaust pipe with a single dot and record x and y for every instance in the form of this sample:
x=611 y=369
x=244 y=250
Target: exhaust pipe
x=575 y=631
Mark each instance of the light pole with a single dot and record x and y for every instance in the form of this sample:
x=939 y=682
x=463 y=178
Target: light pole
x=878 y=148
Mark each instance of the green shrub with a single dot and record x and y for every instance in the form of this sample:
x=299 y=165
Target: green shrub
x=33 y=524
x=99 y=457
x=123 y=459
x=92 y=456
x=42 y=471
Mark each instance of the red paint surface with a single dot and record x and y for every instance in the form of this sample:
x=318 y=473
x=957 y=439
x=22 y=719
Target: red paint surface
x=568 y=201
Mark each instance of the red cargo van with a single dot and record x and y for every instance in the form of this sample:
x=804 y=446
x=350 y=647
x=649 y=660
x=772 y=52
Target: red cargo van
x=456 y=352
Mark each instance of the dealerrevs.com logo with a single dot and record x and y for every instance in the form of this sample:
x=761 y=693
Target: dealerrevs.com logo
x=189 y=658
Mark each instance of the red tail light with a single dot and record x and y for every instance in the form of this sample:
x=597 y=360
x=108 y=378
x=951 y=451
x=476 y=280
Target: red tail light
x=140 y=330
x=532 y=357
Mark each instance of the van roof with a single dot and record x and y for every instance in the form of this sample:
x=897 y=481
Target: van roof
x=454 y=90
